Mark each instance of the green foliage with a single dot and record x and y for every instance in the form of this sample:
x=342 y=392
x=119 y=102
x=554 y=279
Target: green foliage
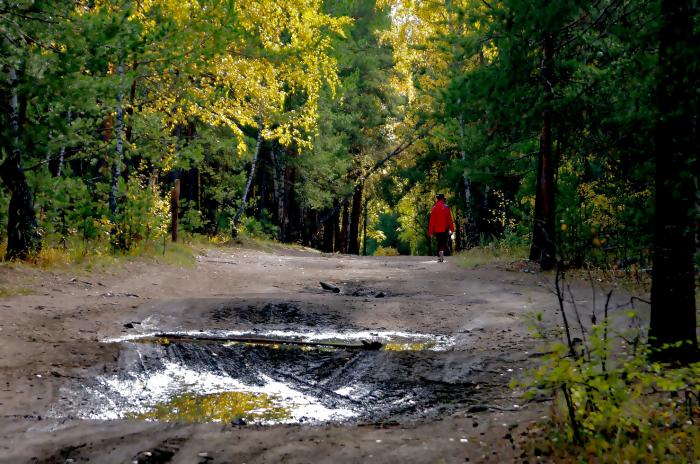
x=262 y=228
x=499 y=251
x=386 y=233
x=191 y=220
x=145 y=215
x=475 y=70
x=611 y=404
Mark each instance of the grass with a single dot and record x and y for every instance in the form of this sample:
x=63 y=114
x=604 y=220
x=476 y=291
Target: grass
x=258 y=244
x=82 y=257
x=490 y=254
x=6 y=292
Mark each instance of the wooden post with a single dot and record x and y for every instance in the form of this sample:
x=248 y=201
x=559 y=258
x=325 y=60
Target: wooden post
x=175 y=208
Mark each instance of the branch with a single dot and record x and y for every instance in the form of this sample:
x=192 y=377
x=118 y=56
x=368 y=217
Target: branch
x=378 y=165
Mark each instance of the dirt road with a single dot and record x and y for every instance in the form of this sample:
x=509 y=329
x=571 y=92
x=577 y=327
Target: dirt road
x=441 y=395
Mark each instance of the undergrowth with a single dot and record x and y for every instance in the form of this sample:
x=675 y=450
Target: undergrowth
x=6 y=292
x=496 y=252
x=386 y=251
x=95 y=255
x=611 y=401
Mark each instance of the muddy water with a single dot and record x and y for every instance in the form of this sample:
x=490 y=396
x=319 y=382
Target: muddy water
x=218 y=380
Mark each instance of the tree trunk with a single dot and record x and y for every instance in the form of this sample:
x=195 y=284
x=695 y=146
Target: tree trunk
x=128 y=132
x=364 y=231
x=262 y=182
x=278 y=185
x=355 y=215
x=287 y=197
x=116 y=166
x=328 y=236
x=253 y=167
x=56 y=167
x=344 y=228
x=471 y=236
x=673 y=317
x=23 y=238
x=175 y=209
x=338 y=245
x=543 y=246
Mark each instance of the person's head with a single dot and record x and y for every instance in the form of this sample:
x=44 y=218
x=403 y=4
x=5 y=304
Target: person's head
x=440 y=197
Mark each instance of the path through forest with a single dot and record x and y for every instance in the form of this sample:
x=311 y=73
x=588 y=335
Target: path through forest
x=68 y=359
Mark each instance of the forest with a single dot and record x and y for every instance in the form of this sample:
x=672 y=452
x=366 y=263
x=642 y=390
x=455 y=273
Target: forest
x=556 y=126
x=334 y=124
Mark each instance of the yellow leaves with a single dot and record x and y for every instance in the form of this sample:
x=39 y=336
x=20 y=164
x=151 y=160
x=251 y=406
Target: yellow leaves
x=605 y=210
x=224 y=63
x=218 y=407
x=180 y=11
x=417 y=28
x=294 y=61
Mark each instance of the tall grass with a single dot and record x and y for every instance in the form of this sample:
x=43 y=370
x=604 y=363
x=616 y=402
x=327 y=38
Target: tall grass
x=94 y=255
x=495 y=252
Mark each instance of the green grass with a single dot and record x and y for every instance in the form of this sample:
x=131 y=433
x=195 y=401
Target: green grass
x=81 y=257
x=174 y=254
x=259 y=244
x=6 y=292
x=490 y=254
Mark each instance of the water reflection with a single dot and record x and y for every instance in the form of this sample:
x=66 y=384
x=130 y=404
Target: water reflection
x=414 y=346
x=218 y=407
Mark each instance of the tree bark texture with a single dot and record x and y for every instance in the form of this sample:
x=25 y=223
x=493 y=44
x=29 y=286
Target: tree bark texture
x=673 y=313
x=543 y=239
x=23 y=238
x=175 y=209
x=344 y=229
x=278 y=185
x=251 y=176
x=355 y=215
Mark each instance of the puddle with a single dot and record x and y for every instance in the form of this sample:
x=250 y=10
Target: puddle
x=414 y=346
x=211 y=378
x=390 y=340
x=228 y=406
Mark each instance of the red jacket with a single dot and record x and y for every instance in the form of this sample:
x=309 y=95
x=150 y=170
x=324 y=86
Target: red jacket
x=440 y=219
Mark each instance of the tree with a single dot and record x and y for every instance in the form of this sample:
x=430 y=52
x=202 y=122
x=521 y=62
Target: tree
x=26 y=28
x=22 y=235
x=673 y=316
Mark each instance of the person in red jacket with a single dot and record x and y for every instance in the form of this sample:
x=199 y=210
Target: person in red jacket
x=441 y=225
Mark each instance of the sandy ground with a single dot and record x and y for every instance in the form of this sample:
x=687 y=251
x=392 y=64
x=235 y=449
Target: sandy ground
x=55 y=335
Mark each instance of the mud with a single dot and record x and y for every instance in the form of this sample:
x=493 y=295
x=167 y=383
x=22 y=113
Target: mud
x=281 y=383
x=288 y=313
x=78 y=383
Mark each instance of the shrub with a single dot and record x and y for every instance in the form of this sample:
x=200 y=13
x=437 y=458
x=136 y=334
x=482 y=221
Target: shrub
x=386 y=251
x=611 y=403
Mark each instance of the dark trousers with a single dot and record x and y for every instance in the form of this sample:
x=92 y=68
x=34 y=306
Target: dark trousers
x=442 y=241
